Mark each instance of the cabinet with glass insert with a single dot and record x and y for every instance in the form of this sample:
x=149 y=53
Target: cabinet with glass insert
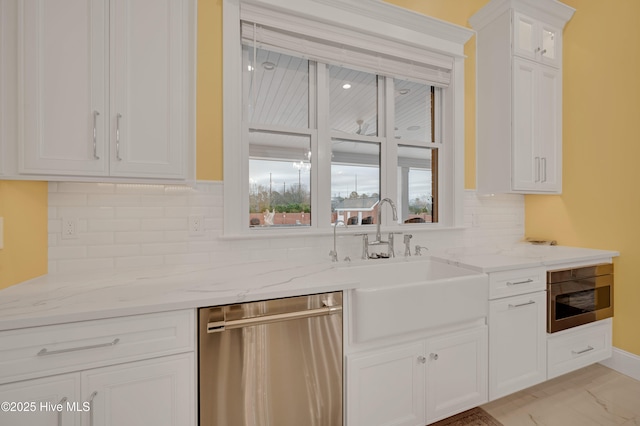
x=520 y=95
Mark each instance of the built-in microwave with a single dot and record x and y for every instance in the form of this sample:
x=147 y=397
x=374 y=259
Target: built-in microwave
x=578 y=296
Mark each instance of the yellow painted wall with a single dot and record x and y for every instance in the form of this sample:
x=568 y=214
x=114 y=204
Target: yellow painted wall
x=209 y=91
x=601 y=148
x=23 y=205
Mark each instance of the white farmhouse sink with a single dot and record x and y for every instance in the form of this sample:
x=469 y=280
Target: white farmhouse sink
x=403 y=297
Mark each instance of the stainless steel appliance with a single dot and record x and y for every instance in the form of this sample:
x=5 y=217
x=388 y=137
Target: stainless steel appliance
x=579 y=296
x=272 y=363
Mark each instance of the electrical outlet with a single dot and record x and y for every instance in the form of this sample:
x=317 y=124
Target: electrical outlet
x=69 y=228
x=196 y=225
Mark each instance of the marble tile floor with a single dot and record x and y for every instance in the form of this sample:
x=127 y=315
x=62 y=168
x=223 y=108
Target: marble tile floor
x=595 y=395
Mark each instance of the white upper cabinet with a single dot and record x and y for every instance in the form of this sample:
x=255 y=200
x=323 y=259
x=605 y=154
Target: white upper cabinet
x=63 y=87
x=105 y=88
x=536 y=40
x=519 y=67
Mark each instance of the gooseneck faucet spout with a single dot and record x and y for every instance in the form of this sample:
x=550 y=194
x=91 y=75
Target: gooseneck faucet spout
x=395 y=216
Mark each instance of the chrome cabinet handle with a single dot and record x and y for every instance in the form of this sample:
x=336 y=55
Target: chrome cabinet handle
x=543 y=51
x=589 y=348
x=118 y=117
x=90 y=401
x=520 y=282
x=434 y=357
x=544 y=168
x=537 y=179
x=422 y=359
x=95 y=135
x=44 y=351
x=519 y=305
x=62 y=401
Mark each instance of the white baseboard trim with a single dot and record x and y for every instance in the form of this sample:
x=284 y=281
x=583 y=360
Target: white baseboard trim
x=624 y=362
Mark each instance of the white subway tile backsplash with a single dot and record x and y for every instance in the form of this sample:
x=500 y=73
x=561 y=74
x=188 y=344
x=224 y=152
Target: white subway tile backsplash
x=129 y=225
x=139 y=212
x=114 y=250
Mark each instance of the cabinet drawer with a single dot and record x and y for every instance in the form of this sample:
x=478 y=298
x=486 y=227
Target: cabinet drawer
x=511 y=283
x=40 y=351
x=578 y=347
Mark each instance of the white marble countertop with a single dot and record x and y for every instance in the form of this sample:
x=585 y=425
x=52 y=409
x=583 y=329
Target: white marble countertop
x=60 y=298
x=524 y=255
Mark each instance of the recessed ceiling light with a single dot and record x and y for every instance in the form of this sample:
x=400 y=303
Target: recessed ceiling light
x=346 y=86
x=404 y=91
x=268 y=66
x=412 y=128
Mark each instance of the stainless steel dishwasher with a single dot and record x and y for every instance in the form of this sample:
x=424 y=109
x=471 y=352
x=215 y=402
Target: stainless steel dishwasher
x=272 y=363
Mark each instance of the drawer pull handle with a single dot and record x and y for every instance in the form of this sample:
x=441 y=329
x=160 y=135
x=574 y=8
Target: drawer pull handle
x=93 y=395
x=520 y=282
x=44 y=351
x=62 y=401
x=589 y=348
x=530 y=302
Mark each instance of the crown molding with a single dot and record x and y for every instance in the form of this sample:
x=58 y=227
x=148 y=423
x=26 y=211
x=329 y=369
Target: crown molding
x=550 y=11
x=381 y=19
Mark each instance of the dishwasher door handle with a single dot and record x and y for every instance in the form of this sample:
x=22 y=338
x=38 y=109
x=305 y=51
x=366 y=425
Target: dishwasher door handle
x=218 y=326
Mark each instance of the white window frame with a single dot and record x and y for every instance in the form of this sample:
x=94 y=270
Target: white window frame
x=372 y=18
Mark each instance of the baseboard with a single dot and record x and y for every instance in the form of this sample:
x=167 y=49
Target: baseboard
x=624 y=362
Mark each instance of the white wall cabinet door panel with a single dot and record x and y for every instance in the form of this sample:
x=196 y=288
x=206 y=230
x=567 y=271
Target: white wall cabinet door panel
x=63 y=92
x=386 y=387
x=41 y=398
x=456 y=373
x=517 y=343
x=537 y=150
x=549 y=131
x=526 y=161
x=148 y=80
x=158 y=392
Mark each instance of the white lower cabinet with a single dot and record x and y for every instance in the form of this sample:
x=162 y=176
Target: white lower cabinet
x=386 y=387
x=578 y=347
x=517 y=343
x=158 y=392
x=127 y=371
x=419 y=382
x=37 y=402
x=456 y=373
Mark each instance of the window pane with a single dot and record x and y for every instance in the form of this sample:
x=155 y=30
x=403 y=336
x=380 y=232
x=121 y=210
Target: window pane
x=353 y=97
x=276 y=87
x=417 y=183
x=279 y=179
x=413 y=110
x=355 y=181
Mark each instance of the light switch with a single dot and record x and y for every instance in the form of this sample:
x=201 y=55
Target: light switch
x=1 y=233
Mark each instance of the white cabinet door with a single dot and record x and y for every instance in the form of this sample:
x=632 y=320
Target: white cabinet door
x=62 y=87
x=158 y=392
x=549 y=135
x=105 y=88
x=387 y=387
x=149 y=54
x=537 y=151
x=526 y=161
x=42 y=402
x=456 y=373
x=517 y=343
